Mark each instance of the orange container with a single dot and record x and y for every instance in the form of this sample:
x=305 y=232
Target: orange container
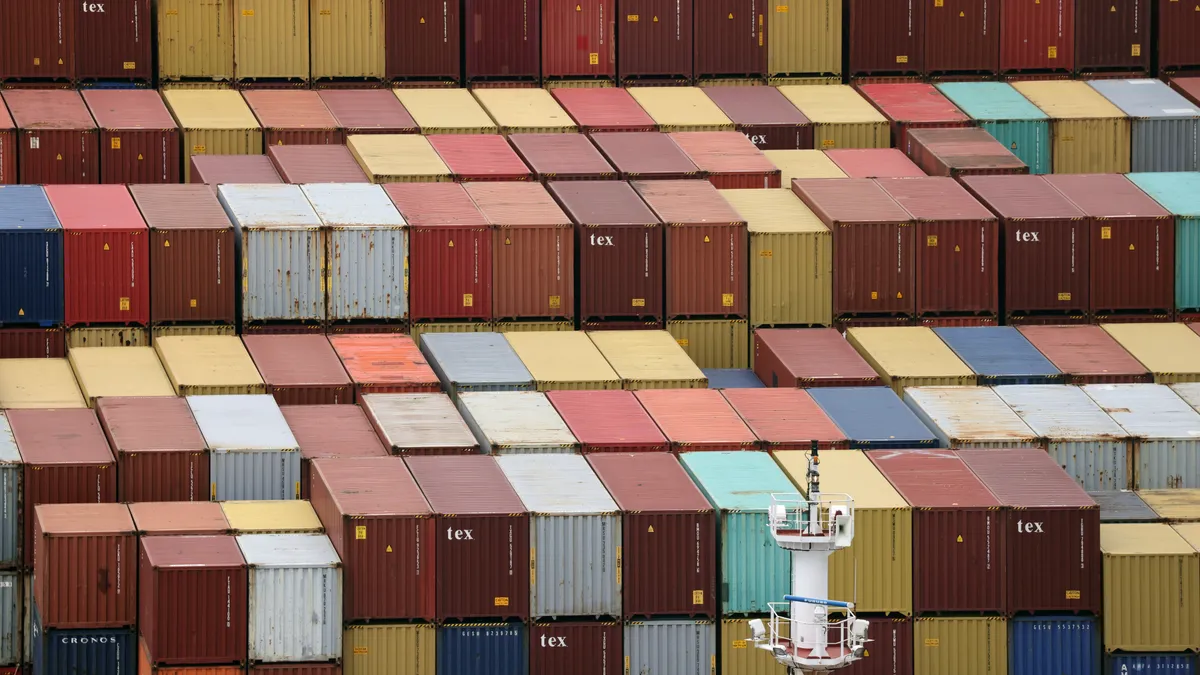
x=144 y=667
x=385 y=364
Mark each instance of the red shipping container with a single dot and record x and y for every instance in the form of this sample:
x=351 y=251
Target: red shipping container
x=1086 y=354
x=300 y=164
x=786 y=419
x=669 y=548
x=620 y=242
x=913 y=106
x=765 y=116
x=32 y=343
x=57 y=136
x=872 y=245
x=193 y=600
x=1178 y=25
x=705 y=245
x=608 y=421
x=656 y=41
x=583 y=648
x=423 y=39
x=890 y=651
x=887 y=37
x=384 y=532
x=482 y=537
x=809 y=357
x=1188 y=86
x=728 y=159
x=503 y=39
x=875 y=163
x=958 y=531
x=622 y=325
x=113 y=41
x=645 y=155
x=962 y=152
x=579 y=40
x=603 y=109
x=697 y=419
x=533 y=268
x=1130 y=232
x=562 y=157
x=39 y=40
x=139 y=140
x=106 y=254
x=327 y=431
x=8 y=147
x=85 y=565
x=371 y=111
x=450 y=251
x=1113 y=36
x=1037 y=36
x=731 y=38
x=191 y=252
x=179 y=518
x=958 y=246
x=300 y=369
x=962 y=36
x=1045 y=244
x=217 y=169
x=293 y=117
x=385 y=364
x=161 y=454
x=479 y=157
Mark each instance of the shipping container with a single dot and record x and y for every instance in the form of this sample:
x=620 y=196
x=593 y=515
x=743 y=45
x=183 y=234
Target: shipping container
x=32 y=343
x=271 y=40
x=739 y=653
x=161 y=454
x=492 y=48
x=295 y=597
x=11 y=534
x=121 y=336
x=1173 y=506
x=1000 y=355
x=178 y=518
x=640 y=155
x=419 y=424
x=214 y=122
x=383 y=530
x=608 y=421
x=1037 y=38
x=214 y=170
x=58 y=140
x=299 y=164
x=733 y=378
x=387 y=648
x=515 y=422
x=872 y=163
x=194 y=41
x=647 y=359
x=1175 y=22
x=910 y=357
x=471 y=362
x=78 y=547
x=873 y=418
x=479 y=157
x=662 y=52
x=972 y=644
x=368 y=111
x=561 y=157
x=969 y=417
x=398 y=158
x=423 y=40
x=32 y=239
x=764 y=116
x=504 y=647
x=1151 y=596
x=1164 y=426
x=118 y=371
x=186 y=330
x=604 y=109
x=1008 y=116
x=803 y=164
x=384 y=364
x=40 y=35
x=676 y=109
x=950 y=503
x=1164 y=125
x=1090 y=134
x=1116 y=39
x=482 y=560
x=13 y=626
x=584 y=647
x=886 y=38
x=1150 y=663
x=447 y=111
x=253 y=452
x=293 y=117
x=700 y=419
x=528 y=111
x=38 y=383
x=1123 y=506
x=729 y=159
x=563 y=360
x=804 y=39
x=300 y=369
x=324 y=431
x=347 y=40
x=712 y=343
x=674 y=646
x=139 y=140
x=1179 y=194
x=962 y=38
x=962 y=152
x=913 y=106
x=817 y=357
x=295 y=669
x=730 y=39
x=104 y=651
x=1170 y=351
x=208 y=364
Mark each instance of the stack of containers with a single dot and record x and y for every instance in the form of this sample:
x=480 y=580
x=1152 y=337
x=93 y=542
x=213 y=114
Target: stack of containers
x=1164 y=427
x=253 y=452
x=54 y=124
x=1164 y=124
x=873 y=418
x=324 y=431
x=765 y=116
x=1179 y=194
x=139 y=140
x=473 y=362
x=515 y=422
x=1008 y=116
x=31 y=285
x=12 y=581
x=214 y=122
x=969 y=417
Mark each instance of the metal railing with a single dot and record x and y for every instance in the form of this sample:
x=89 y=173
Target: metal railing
x=793 y=513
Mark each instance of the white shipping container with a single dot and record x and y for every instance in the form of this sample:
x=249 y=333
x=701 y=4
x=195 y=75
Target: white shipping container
x=969 y=417
x=516 y=422
x=575 y=536
x=1166 y=428
x=670 y=647
x=295 y=597
x=252 y=450
x=1082 y=438
x=419 y=424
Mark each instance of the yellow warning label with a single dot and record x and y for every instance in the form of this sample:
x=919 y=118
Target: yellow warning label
x=198 y=149
x=874 y=295
x=939 y=3
x=360 y=531
x=1014 y=145
x=1106 y=232
x=933 y=642
x=1135 y=50
x=782 y=9
x=106 y=246
x=37 y=61
x=508 y=241
x=388 y=549
x=60 y=62
x=631 y=18
x=618 y=565
x=960 y=539
x=962 y=15
x=593 y=58
x=279 y=142
x=866 y=653
x=21 y=312
x=739 y=644
x=192 y=303
x=828 y=143
x=931 y=240
x=60 y=158
x=166 y=243
x=957 y=249
x=130 y=65
x=727 y=299
x=555 y=301
x=172 y=12
x=1072 y=595
x=639 y=302
x=899 y=295
x=1064 y=297
x=901 y=59
x=650 y=529
x=1052 y=52
x=115 y=143
x=766 y=254
x=501 y=601
x=655 y=19
x=124 y=304
x=468 y=300
x=422 y=19
x=247 y=12
x=451 y=244
x=698 y=597
x=140 y=158
x=1112 y=8
x=578 y=8
x=326 y=12
x=731 y=15
x=683 y=342
x=360 y=650
x=1131 y=248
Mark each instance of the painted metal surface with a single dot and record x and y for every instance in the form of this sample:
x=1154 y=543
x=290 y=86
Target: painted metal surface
x=1008 y=116
x=8 y=148
x=1000 y=355
x=1090 y=134
x=253 y=453
x=271 y=516
x=874 y=163
x=178 y=518
x=300 y=369
x=563 y=360
x=502 y=40
x=647 y=359
x=1165 y=427
x=54 y=123
x=697 y=419
x=639 y=155
x=195 y=41
x=605 y=109
x=886 y=38
x=139 y=140
x=1037 y=37
x=975 y=644
x=208 y=364
x=888 y=424
x=32 y=343
x=1150 y=591
x=608 y=421
x=1167 y=350
x=398 y=158
x=966 y=151
x=407 y=648
x=962 y=37
x=728 y=159
x=423 y=40
x=578 y=40
x=419 y=424
x=1086 y=354
x=913 y=106
x=969 y=417
x=106 y=651
x=214 y=122
x=1150 y=663
x=713 y=343
x=347 y=39
x=732 y=378
x=785 y=418
x=504 y=647
x=910 y=356
x=1164 y=124
x=118 y=371
x=677 y=109
x=33 y=258
x=293 y=117
x=299 y=164
x=327 y=430
x=216 y=169
x=11 y=539
x=479 y=157
x=1113 y=38
x=1123 y=506
x=271 y=40
x=804 y=38
x=384 y=364
x=76 y=546
x=730 y=38
x=656 y=50
x=515 y=422
x=12 y=620
x=764 y=116
x=39 y=383
x=562 y=157
x=446 y=111
x=1175 y=22
x=42 y=42
x=368 y=111
x=524 y=110
x=671 y=646
x=1179 y=193
x=566 y=646
x=469 y=362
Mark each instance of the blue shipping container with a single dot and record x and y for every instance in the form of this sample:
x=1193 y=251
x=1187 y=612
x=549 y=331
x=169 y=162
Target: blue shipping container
x=1151 y=664
x=474 y=648
x=1008 y=116
x=110 y=651
x=1179 y=193
x=1000 y=355
x=1054 y=645
x=467 y=362
x=31 y=258
x=873 y=418
x=732 y=378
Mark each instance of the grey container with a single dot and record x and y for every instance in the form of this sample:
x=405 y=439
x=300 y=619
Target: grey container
x=1165 y=125
x=1166 y=430
x=252 y=451
x=969 y=418
x=574 y=537
x=469 y=362
x=367 y=274
x=419 y=424
x=12 y=617
x=282 y=248
x=1123 y=506
x=10 y=498
x=516 y=422
x=670 y=647
x=1080 y=436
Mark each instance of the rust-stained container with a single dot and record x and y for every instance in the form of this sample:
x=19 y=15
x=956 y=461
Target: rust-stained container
x=603 y=109
x=608 y=421
x=39 y=40
x=57 y=137
x=368 y=111
x=669 y=549
x=1037 y=37
x=215 y=170
x=295 y=669
x=533 y=249
x=620 y=242
x=562 y=157
x=873 y=163
x=479 y=157
x=193 y=600
x=872 y=245
x=330 y=431
x=656 y=40
x=145 y=667
x=962 y=37
x=178 y=518
x=161 y=454
x=1086 y=355
x=139 y=140
x=587 y=648
x=786 y=419
x=962 y=152
x=423 y=40
x=293 y=117
x=887 y=37
x=482 y=544
x=809 y=357
x=8 y=147
x=113 y=41
x=645 y=155
x=299 y=164
x=765 y=116
x=1114 y=36
x=913 y=106
x=697 y=419
x=728 y=159
x=84 y=565
x=385 y=364
x=502 y=40
x=384 y=531
x=32 y=343
x=579 y=40
x=730 y=38
x=959 y=531
x=1177 y=25
x=300 y=369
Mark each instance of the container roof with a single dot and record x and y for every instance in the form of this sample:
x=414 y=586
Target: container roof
x=933 y=478
x=756 y=105
x=418 y=420
x=737 y=481
x=516 y=418
x=332 y=431
x=293 y=360
x=991 y=101
x=289 y=109
x=190 y=552
x=38 y=383
x=61 y=437
x=646 y=357
x=602 y=202
x=1029 y=197
x=268 y=206
x=873 y=416
x=367 y=109
x=649 y=482
x=8 y=444
x=968 y=415
x=1059 y=412
x=1173 y=505
x=150 y=424
x=207 y=360
x=465 y=485
x=271 y=515
x=1177 y=192
x=696 y=417
x=1142 y=539
x=908 y=350
x=1147 y=411
x=1146 y=98
x=95 y=207
x=686 y=202
x=515 y=203
x=844 y=472
x=446 y=109
x=65 y=519
x=802 y=164
x=845 y=201
x=611 y=417
x=680 y=106
x=912 y=102
x=556 y=484
x=242 y=422
x=1164 y=348
x=1083 y=350
x=1026 y=477
x=25 y=207
x=935 y=199
x=475 y=358
x=1107 y=196
x=1067 y=100
x=553 y=356
x=352 y=205
x=288 y=550
x=783 y=415
x=162 y=518
x=371 y=486
x=128 y=109
x=996 y=351
x=179 y=207
x=1122 y=506
x=119 y=371
x=831 y=104
x=603 y=108
x=516 y=108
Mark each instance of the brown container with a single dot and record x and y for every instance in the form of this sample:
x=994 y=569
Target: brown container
x=324 y=431
x=479 y=157
x=32 y=343
x=809 y=357
x=8 y=147
x=585 y=648
x=765 y=116
x=161 y=454
x=1037 y=37
x=887 y=37
x=1178 y=26
x=962 y=37
x=874 y=163
x=502 y=40
x=482 y=537
x=113 y=41
x=562 y=157
x=961 y=152
x=84 y=565
x=890 y=651
x=959 y=531
x=913 y=106
x=145 y=668
x=191 y=252
x=705 y=248
x=293 y=117
x=730 y=39
x=316 y=164
x=579 y=40
x=786 y=419
x=384 y=532
x=533 y=249
x=728 y=159
x=217 y=169
x=1113 y=36
x=179 y=518
x=423 y=40
x=668 y=535
x=368 y=111
x=1086 y=355
x=620 y=242
x=39 y=40
x=193 y=600
x=300 y=369
x=873 y=244
x=651 y=49
x=603 y=109
x=645 y=155
x=57 y=136
x=139 y=140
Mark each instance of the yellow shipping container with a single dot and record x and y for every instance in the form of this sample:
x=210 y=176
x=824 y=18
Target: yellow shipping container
x=177 y=331
x=681 y=109
x=205 y=85
x=803 y=164
x=1170 y=351
x=648 y=359
x=397 y=649
x=910 y=356
x=528 y=326
x=791 y=259
x=877 y=568
x=1090 y=134
x=960 y=645
x=418 y=329
x=195 y=39
x=1151 y=588
x=209 y=364
x=563 y=360
x=841 y=117
x=740 y=656
x=214 y=122
x=446 y=111
x=118 y=371
x=713 y=343
x=804 y=37
x=1176 y=506
x=271 y=516
x=271 y=38
x=525 y=111
x=38 y=383
x=398 y=158
x=124 y=336
x=347 y=39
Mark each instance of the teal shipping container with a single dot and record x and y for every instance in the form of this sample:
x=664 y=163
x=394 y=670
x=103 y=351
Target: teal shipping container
x=1179 y=193
x=754 y=570
x=1008 y=116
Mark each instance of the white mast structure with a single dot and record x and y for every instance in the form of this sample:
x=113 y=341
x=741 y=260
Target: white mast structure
x=803 y=639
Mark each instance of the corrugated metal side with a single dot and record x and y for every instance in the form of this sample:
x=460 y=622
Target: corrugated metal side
x=1054 y=645
x=400 y=648
x=1151 y=663
x=1113 y=36
x=10 y=501
x=12 y=617
x=108 y=651
x=579 y=39
x=103 y=562
x=754 y=571
x=504 y=647
x=502 y=39
x=194 y=275
x=195 y=40
x=482 y=576
x=367 y=275
x=283 y=274
x=713 y=343
x=886 y=37
x=107 y=337
x=347 y=39
x=655 y=50
x=40 y=39
x=667 y=564
x=575 y=565
x=730 y=38
x=952 y=646
x=962 y=36
x=423 y=40
x=671 y=646
x=1096 y=464
x=256 y=474
x=163 y=476
x=1164 y=144
x=32 y=264
x=974 y=564
x=295 y=613
x=804 y=38
x=1037 y=36
x=1167 y=463
x=271 y=39
x=739 y=656
x=1151 y=600
x=32 y=343
x=1029 y=140
x=40 y=148
x=562 y=647
x=1091 y=145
